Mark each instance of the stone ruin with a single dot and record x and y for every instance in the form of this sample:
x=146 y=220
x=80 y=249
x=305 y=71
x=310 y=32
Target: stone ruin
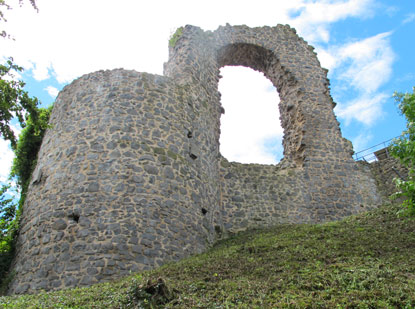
x=129 y=176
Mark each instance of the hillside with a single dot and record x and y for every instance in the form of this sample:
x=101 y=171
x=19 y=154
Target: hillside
x=365 y=261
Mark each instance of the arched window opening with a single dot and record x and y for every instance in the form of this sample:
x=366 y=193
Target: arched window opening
x=251 y=131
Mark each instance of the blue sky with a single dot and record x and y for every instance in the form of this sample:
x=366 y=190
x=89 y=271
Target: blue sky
x=367 y=45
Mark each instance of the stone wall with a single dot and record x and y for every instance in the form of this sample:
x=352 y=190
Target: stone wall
x=255 y=195
x=118 y=187
x=130 y=176
x=384 y=171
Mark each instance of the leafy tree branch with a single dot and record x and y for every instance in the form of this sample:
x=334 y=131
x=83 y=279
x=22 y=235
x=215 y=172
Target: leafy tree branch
x=14 y=102
x=403 y=148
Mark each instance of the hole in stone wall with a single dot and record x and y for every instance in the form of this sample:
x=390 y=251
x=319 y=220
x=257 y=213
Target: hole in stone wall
x=189 y=134
x=204 y=211
x=74 y=217
x=218 y=230
x=250 y=128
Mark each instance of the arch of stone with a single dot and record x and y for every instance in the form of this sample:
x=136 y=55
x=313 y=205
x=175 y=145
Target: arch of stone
x=129 y=176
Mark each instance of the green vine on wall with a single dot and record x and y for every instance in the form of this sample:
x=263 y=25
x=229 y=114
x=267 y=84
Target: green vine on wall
x=26 y=150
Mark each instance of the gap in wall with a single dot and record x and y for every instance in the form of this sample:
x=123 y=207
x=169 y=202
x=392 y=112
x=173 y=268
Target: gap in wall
x=251 y=131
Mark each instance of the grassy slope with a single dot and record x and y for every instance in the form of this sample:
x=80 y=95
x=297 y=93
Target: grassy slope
x=366 y=261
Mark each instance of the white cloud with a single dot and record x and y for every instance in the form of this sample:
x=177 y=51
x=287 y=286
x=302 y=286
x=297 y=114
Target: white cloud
x=361 y=143
x=134 y=34
x=406 y=77
x=372 y=55
x=68 y=38
x=409 y=18
x=365 y=109
x=389 y=9
x=316 y=12
x=52 y=91
x=316 y=16
x=41 y=71
x=251 y=119
x=6 y=155
x=328 y=58
x=364 y=66
x=371 y=62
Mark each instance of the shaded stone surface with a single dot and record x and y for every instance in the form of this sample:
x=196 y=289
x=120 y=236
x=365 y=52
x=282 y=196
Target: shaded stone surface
x=129 y=175
x=384 y=171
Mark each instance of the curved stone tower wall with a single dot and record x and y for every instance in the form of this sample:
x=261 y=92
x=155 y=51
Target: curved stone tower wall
x=117 y=187
x=130 y=176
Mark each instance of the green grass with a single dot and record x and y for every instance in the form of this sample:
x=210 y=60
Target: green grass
x=365 y=261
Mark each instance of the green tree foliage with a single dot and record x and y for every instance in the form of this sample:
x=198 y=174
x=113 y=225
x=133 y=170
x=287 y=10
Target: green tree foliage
x=8 y=230
x=403 y=148
x=14 y=102
x=8 y=214
x=26 y=150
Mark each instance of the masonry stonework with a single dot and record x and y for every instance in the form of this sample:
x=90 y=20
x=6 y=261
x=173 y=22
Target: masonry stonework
x=384 y=172
x=129 y=176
